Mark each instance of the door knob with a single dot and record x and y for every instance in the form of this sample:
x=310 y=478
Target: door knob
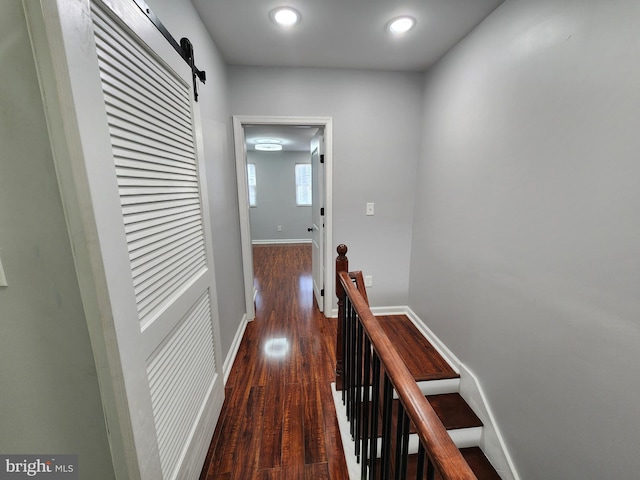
x=310 y=229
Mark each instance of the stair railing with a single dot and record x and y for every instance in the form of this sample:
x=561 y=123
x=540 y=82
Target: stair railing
x=368 y=372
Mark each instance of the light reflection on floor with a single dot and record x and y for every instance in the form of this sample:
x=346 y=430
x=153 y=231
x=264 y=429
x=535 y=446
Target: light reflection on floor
x=305 y=284
x=276 y=348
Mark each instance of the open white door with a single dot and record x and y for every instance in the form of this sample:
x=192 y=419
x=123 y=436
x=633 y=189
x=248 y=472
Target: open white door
x=318 y=235
x=126 y=142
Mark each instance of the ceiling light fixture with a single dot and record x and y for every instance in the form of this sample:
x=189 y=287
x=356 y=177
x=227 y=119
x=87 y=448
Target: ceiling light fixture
x=401 y=25
x=285 y=16
x=267 y=140
x=269 y=147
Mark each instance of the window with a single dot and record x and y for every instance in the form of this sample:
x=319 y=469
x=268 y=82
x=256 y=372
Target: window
x=303 y=184
x=251 y=180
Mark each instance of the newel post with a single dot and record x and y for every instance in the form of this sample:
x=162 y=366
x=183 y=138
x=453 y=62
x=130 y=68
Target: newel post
x=342 y=265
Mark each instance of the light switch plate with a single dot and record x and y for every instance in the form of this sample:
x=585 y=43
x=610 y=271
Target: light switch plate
x=3 y=278
x=370 y=209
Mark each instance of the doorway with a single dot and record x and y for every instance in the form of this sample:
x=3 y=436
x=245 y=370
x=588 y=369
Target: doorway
x=239 y=125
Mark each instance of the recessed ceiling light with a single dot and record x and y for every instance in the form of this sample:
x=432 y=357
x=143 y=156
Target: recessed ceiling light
x=401 y=25
x=285 y=16
x=268 y=147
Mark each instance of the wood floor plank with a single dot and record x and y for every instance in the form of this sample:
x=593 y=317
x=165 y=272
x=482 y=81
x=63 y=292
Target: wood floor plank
x=316 y=471
x=268 y=474
x=271 y=435
x=207 y=472
x=218 y=476
x=224 y=456
x=293 y=433
x=314 y=441
x=246 y=458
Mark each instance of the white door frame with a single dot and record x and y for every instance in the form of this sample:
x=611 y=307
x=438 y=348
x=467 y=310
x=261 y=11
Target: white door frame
x=239 y=122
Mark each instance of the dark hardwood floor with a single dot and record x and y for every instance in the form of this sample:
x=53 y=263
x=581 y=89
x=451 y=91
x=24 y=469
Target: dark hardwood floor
x=278 y=420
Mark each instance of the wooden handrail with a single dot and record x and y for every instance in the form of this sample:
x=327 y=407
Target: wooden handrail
x=358 y=280
x=440 y=449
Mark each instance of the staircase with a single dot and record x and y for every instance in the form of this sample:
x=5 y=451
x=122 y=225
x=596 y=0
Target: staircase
x=381 y=358
x=440 y=384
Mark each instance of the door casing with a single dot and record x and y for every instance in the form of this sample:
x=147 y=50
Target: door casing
x=239 y=122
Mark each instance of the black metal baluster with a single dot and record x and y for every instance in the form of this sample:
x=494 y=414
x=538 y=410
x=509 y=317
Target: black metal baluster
x=398 y=450
x=402 y=446
x=345 y=360
x=375 y=409
x=352 y=373
x=346 y=308
x=365 y=404
x=431 y=473
x=357 y=419
x=348 y=357
x=420 y=469
x=387 y=405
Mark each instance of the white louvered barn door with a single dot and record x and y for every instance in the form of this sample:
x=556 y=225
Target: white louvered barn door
x=147 y=202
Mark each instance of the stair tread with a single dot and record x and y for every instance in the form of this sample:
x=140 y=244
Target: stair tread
x=474 y=457
x=451 y=408
x=421 y=358
x=479 y=463
x=454 y=412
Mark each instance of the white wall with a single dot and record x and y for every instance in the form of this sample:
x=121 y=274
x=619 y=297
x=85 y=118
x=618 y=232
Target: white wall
x=526 y=245
x=376 y=125
x=49 y=396
x=276 y=197
x=182 y=20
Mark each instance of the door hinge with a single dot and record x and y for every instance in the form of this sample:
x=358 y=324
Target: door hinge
x=322 y=211
x=322 y=158
x=322 y=292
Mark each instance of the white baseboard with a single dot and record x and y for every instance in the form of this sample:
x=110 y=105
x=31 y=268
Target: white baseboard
x=235 y=346
x=281 y=241
x=333 y=313
x=492 y=442
x=398 y=310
